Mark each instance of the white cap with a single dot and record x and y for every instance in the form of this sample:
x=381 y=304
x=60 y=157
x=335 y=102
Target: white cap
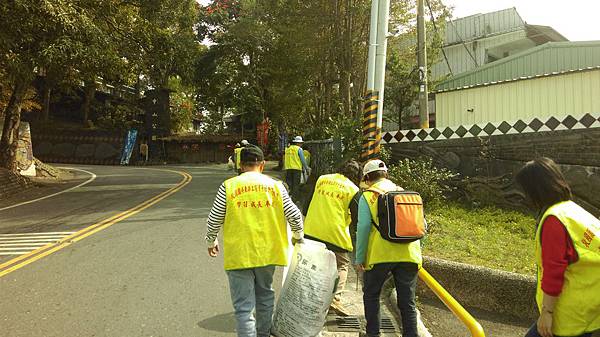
x=245 y=142
x=374 y=165
x=297 y=139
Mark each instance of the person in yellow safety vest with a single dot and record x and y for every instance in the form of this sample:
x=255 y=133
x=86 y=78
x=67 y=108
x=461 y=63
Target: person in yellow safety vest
x=567 y=253
x=236 y=157
x=378 y=258
x=306 y=156
x=252 y=209
x=237 y=151
x=333 y=206
x=294 y=165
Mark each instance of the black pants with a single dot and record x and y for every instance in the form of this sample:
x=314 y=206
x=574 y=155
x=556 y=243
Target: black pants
x=405 y=279
x=533 y=332
x=292 y=178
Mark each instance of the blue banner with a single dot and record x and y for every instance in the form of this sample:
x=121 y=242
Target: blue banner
x=128 y=147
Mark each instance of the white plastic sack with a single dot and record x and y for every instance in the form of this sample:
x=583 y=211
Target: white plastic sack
x=305 y=175
x=307 y=292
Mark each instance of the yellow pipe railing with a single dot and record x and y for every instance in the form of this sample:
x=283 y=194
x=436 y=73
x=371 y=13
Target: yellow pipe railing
x=457 y=309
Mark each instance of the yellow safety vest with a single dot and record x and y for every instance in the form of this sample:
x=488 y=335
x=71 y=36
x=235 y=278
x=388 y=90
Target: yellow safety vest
x=254 y=232
x=292 y=159
x=381 y=250
x=328 y=217
x=238 y=156
x=306 y=157
x=577 y=310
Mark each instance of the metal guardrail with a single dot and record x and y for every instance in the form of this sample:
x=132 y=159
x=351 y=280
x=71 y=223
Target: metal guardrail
x=457 y=309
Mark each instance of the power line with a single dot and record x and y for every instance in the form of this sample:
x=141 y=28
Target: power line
x=438 y=33
x=463 y=43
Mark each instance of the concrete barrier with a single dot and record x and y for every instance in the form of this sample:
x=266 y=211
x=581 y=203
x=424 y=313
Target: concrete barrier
x=487 y=289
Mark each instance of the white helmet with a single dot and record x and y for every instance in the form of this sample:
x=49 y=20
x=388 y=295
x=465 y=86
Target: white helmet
x=297 y=139
x=374 y=165
x=245 y=143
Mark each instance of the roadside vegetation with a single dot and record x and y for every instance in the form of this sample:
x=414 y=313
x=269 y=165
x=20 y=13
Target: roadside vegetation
x=458 y=231
x=489 y=237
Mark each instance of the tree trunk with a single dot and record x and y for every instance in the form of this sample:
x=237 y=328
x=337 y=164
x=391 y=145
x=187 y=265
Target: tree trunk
x=46 y=94
x=345 y=92
x=399 y=118
x=10 y=130
x=89 y=92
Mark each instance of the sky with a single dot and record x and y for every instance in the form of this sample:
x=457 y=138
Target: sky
x=577 y=20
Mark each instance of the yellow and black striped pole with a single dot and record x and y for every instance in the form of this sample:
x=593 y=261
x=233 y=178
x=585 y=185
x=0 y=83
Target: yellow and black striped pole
x=371 y=133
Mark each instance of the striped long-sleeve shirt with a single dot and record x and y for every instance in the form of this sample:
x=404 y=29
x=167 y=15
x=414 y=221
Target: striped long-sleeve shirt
x=216 y=217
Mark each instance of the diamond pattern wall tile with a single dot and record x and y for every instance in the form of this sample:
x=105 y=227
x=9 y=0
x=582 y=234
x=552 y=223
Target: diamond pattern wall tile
x=520 y=126
x=475 y=130
x=552 y=123
x=489 y=128
x=461 y=131
x=399 y=136
x=569 y=122
x=435 y=134
x=504 y=127
x=535 y=124
x=588 y=120
x=448 y=132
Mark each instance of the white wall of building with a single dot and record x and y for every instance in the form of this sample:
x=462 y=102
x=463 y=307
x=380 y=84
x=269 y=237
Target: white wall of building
x=572 y=93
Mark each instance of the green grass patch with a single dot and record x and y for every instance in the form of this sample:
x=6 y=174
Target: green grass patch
x=489 y=237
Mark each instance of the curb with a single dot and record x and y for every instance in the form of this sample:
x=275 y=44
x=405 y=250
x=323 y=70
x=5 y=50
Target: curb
x=390 y=298
x=483 y=288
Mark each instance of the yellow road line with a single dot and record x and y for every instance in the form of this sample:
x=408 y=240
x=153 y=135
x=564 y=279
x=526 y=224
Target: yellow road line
x=23 y=260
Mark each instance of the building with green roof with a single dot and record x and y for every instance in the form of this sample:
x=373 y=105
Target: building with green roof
x=553 y=79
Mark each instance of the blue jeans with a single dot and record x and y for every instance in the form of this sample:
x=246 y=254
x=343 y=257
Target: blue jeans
x=405 y=279
x=533 y=332
x=252 y=291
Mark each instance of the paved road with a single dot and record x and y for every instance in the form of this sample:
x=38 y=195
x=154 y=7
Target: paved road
x=147 y=275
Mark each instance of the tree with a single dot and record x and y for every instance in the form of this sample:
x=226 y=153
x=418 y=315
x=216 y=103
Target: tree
x=298 y=63
x=402 y=79
x=32 y=33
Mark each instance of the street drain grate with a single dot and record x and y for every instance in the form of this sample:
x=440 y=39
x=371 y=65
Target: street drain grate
x=354 y=324
x=387 y=325
x=346 y=324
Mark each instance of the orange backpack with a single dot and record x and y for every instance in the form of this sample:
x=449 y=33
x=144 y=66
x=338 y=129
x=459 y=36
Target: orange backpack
x=401 y=216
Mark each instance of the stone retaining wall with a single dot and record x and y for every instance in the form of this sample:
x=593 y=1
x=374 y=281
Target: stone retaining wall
x=576 y=151
x=78 y=148
x=198 y=152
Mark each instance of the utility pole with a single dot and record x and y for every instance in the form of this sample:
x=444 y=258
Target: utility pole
x=372 y=46
x=373 y=106
x=381 y=57
x=422 y=63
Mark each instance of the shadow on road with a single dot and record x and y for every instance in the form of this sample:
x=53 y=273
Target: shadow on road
x=219 y=323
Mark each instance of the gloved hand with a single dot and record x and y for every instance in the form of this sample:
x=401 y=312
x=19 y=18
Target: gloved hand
x=297 y=241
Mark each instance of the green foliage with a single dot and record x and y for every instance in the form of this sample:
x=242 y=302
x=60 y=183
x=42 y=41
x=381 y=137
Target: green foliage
x=385 y=154
x=119 y=117
x=298 y=63
x=182 y=111
x=422 y=176
x=488 y=236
